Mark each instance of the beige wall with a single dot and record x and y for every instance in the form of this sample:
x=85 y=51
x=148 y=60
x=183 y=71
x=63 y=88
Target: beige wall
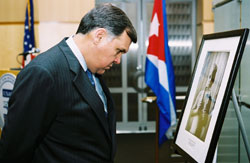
x=54 y=20
x=205 y=19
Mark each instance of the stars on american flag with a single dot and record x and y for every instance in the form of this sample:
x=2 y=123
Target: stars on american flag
x=29 y=35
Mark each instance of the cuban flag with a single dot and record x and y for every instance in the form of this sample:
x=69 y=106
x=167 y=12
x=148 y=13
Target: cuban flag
x=159 y=73
x=29 y=35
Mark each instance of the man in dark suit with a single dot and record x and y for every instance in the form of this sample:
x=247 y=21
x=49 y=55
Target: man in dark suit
x=60 y=109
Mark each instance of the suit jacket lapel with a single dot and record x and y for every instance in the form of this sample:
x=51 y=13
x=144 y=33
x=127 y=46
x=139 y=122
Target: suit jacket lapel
x=90 y=95
x=84 y=86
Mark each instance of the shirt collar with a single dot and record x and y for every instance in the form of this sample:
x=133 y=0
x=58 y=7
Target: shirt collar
x=72 y=45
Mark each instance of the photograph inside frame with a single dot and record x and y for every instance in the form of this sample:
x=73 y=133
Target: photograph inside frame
x=208 y=94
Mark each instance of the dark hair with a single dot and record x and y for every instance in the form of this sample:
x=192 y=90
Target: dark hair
x=107 y=16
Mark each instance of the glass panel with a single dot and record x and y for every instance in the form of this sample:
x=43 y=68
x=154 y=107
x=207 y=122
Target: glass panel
x=113 y=77
x=245 y=80
x=179 y=17
x=132 y=107
x=132 y=65
x=117 y=97
x=152 y=109
x=229 y=136
x=245 y=112
x=132 y=56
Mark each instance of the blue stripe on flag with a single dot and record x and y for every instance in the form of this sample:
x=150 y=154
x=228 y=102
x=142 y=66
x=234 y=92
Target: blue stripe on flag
x=152 y=79
x=168 y=59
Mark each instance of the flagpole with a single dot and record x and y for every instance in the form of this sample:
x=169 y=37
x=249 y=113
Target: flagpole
x=157 y=136
x=151 y=99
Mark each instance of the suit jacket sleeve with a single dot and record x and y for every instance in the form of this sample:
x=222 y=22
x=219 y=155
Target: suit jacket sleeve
x=28 y=117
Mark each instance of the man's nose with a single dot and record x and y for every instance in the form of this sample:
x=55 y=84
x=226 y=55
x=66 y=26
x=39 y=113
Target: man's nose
x=118 y=59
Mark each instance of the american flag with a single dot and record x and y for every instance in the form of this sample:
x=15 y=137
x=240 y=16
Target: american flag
x=29 y=35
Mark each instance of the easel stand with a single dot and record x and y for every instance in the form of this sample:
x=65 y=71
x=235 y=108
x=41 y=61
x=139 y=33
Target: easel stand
x=241 y=124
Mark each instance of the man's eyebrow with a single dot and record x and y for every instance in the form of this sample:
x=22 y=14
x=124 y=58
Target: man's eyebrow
x=122 y=50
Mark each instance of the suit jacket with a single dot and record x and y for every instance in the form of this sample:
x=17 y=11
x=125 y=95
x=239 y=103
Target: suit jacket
x=55 y=114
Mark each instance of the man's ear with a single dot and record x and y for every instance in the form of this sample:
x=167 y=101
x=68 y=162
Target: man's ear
x=99 y=35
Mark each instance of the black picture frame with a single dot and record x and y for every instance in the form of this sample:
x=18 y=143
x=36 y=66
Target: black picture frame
x=208 y=94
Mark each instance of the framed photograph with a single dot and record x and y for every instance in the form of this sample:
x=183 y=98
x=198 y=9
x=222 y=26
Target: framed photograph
x=208 y=94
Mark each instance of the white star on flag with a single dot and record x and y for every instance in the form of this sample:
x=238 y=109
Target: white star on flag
x=154 y=26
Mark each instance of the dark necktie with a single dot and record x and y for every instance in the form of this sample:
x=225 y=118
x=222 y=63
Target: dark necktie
x=90 y=77
x=101 y=93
